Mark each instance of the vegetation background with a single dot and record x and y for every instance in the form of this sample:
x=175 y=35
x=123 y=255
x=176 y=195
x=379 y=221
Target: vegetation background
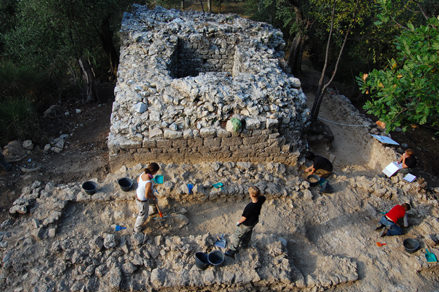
x=385 y=52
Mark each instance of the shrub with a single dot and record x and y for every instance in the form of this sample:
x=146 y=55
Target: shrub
x=18 y=120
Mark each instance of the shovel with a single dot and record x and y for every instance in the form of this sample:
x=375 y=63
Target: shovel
x=431 y=257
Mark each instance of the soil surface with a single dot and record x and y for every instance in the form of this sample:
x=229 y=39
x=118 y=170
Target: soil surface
x=86 y=157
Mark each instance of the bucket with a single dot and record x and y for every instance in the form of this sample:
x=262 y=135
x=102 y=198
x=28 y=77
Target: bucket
x=215 y=258
x=125 y=184
x=313 y=180
x=201 y=260
x=89 y=187
x=411 y=245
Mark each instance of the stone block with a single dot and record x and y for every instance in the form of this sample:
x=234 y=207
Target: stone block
x=212 y=142
x=161 y=144
x=179 y=143
x=252 y=124
x=208 y=132
x=155 y=133
x=147 y=143
x=272 y=123
x=232 y=141
x=170 y=134
x=195 y=142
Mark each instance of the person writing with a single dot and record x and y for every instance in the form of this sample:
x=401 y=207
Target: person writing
x=145 y=194
x=321 y=166
x=248 y=220
x=391 y=218
x=407 y=161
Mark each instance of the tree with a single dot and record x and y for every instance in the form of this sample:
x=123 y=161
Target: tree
x=65 y=37
x=407 y=91
x=344 y=16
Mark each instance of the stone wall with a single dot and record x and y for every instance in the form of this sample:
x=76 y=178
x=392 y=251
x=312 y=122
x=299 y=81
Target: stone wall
x=184 y=75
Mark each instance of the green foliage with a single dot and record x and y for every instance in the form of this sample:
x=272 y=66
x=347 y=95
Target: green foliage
x=52 y=34
x=18 y=120
x=26 y=82
x=7 y=17
x=407 y=91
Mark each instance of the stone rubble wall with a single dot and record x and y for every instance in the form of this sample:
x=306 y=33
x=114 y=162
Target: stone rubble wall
x=184 y=75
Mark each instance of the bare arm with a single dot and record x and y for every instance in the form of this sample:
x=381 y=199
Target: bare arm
x=240 y=221
x=310 y=170
x=148 y=191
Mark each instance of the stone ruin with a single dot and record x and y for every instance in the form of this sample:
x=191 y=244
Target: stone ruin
x=183 y=76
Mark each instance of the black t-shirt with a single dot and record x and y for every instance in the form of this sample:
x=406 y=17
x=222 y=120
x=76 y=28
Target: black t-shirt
x=410 y=161
x=321 y=162
x=251 y=212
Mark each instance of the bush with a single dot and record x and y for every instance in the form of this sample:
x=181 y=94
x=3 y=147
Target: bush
x=25 y=82
x=18 y=120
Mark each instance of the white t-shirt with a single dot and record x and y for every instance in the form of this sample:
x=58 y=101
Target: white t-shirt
x=141 y=186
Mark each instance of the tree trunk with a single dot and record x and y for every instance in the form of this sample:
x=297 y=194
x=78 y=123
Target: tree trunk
x=89 y=79
x=182 y=4
x=322 y=88
x=209 y=5
x=295 y=53
x=201 y=3
x=106 y=35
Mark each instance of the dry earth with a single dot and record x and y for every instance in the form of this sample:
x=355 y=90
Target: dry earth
x=330 y=225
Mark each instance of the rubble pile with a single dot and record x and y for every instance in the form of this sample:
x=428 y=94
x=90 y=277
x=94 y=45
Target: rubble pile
x=184 y=76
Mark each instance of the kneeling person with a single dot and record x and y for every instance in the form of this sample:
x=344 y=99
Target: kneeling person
x=391 y=220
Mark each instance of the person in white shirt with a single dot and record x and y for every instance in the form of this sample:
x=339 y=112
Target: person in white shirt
x=145 y=194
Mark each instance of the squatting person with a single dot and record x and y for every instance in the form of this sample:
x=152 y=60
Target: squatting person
x=145 y=194
x=391 y=218
x=245 y=225
x=320 y=166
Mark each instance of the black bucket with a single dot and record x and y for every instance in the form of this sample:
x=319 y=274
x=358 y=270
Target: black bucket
x=89 y=187
x=411 y=245
x=201 y=260
x=125 y=184
x=216 y=258
x=313 y=179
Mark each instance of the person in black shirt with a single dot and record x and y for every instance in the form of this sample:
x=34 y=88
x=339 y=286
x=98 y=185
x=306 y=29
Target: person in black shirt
x=245 y=225
x=321 y=166
x=407 y=160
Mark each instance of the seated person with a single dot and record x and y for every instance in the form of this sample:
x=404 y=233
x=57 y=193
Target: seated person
x=391 y=218
x=407 y=161
x=321 y=166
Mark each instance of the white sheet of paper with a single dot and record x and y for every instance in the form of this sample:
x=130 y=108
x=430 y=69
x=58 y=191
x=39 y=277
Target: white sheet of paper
x=385 y=139
x=409 y=177
x=392 y=168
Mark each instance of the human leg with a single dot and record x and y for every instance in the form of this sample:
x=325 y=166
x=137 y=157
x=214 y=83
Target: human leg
x=240 y=234
x=394 y=230
x=386 y=222
x=246 y=239
x=143 y=208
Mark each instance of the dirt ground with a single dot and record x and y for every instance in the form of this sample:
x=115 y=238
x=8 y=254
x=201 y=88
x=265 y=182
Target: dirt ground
x=86 y=157
x=85 y=154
